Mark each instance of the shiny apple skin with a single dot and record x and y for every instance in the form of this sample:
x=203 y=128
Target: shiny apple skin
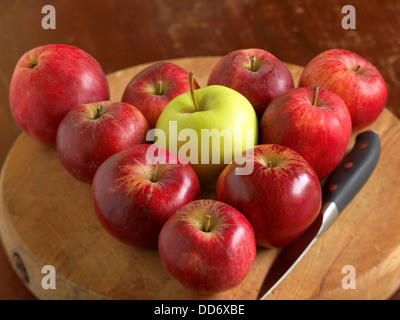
x=220 y=109
x=84 y=141
x=64 y=77
x=280 y=202
x=141 y=90
x=133 y=208
x=319 y=134
x=364 y=92
x=260 y=87
x=207 y=262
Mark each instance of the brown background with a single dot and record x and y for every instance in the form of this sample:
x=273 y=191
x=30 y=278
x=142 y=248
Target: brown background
x=123 y=33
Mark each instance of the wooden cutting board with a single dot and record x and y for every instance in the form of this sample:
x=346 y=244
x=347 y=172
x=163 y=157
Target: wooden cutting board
x=47 y=218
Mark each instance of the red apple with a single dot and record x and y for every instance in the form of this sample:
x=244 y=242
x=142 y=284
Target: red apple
x=152 y=88
x=134 y=195
x=91 y=133
x=281 y=197
x=50 y=80
x=314 y=123
x=352 y=78
x=208 y=246
x=255 y=73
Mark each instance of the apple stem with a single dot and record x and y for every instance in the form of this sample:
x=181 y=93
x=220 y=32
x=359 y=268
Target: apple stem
x=98 y=111
x=191 y=75
x=154 y=177
x=159 y=90
x=358 y=68
x=253 y=63
x=270 y=164
x=314 y=102
x=207 y=223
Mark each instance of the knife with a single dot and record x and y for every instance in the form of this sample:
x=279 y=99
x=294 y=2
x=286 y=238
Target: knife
x=339 y=189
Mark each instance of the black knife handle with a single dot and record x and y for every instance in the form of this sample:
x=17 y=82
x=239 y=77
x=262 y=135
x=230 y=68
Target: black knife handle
x=353 y=171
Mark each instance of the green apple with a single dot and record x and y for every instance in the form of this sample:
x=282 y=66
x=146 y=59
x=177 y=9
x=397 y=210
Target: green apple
x=207 y=127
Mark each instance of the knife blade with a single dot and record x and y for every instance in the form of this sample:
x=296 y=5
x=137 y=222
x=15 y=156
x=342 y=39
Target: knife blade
x=338 y=191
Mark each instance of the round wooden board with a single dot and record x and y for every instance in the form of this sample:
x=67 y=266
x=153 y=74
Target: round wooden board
x=47 y=218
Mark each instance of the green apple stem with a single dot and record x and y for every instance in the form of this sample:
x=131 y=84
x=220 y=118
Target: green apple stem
x=253 y=63
x=207 y=223
x=192 y=90
x=314 y=102
x=159 y=88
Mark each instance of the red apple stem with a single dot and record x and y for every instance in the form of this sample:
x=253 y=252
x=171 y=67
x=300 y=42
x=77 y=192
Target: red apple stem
x=270 y=164
x=358 y=68
x=253 y=63
x=314 y=102
x=159 y=90
x=98 y=111
x=191 y=75
x=207 y=223
x=154 y=177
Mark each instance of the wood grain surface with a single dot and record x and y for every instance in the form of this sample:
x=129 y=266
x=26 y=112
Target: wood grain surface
x=122 y=33
x=55 y=225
